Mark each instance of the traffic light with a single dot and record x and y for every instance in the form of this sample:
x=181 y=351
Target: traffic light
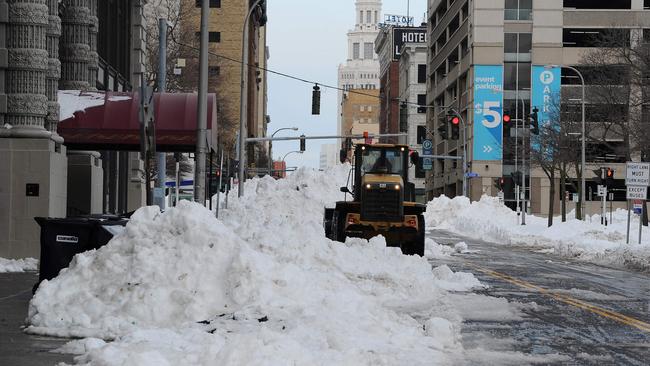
x=599 y=176
x=534 y=121
x=421 y=134
x=343 y=156
x=302 y=143
x=454 y=123
x=517 y=178
x=315 y=100
x=499 y=183
x=506 y=119
x=609 y=177
x=442 y=130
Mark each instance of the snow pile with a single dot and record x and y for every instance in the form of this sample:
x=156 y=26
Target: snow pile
x=490 y=220
x=72 y=101
x=260 y=286
x=18 y=265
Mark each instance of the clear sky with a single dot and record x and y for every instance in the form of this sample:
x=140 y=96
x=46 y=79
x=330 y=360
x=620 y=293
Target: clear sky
x=308 y=38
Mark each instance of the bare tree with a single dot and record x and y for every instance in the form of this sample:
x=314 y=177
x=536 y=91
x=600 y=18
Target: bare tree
x=618 y=73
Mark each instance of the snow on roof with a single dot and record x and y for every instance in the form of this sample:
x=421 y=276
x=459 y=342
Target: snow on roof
x=72 y=101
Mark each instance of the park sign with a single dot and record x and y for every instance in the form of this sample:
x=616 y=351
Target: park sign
x=637 y=174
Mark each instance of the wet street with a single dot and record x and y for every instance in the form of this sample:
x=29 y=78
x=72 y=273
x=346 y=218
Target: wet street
x=16 y=347
x=594 y=315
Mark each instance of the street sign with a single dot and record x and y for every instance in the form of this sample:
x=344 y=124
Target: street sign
x=602 y=191
x=638 y=207
x=637 y=193
x=576 y=197
x=427 y=147
x=471 y=175
x=427 y=164
x=637 y=174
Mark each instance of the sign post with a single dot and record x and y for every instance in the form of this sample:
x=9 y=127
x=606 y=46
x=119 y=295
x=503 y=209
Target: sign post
x=427 y=149
x=637 y=180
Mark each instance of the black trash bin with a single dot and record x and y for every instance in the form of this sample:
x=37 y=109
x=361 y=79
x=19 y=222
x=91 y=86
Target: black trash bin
x=62 y=238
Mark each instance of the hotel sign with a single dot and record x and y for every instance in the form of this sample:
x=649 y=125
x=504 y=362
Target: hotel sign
x=402 y=36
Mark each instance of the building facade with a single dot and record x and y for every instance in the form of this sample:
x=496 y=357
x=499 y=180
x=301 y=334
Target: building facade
x=226 y=21
x=51 y=45
x=361 y=69
x=490 y=58
x=360 y=111
x=329 y=156
x=388 y=45
x=412 y=95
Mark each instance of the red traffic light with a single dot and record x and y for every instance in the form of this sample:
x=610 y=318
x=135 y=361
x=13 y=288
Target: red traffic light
x=455 y=120
x=610 y=173
x=506 y=118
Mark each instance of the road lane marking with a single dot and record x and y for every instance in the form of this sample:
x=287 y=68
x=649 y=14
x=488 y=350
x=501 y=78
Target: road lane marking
x=643 y=326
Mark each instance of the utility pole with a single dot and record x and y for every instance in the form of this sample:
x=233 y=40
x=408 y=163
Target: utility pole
x=243 y=98
x=202 y=113
x=523 y=180
x=162 y=85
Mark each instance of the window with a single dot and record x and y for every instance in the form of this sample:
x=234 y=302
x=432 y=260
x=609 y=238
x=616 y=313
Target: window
x=213 y=3
x=369 y=108
x=213 y=37
x=361 y=17
x=422 y=73
x=598 y=4
x=355 y=51
x=519 y=10
x=368 y=17
x=376 y=21
x=362 y=108
x=516 y=76
x=595 y=37
x=518 y=43
x=422 y=102
x=368 y=50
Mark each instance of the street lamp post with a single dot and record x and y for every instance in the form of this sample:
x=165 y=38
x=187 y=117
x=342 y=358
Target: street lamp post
x=583 y=162
x=270 y=165
x=290 y=152
x=242 y=96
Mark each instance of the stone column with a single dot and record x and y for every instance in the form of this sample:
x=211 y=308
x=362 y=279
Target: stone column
x=54 y=68
x=75 y=46
x=93 y=29
x=27 y=68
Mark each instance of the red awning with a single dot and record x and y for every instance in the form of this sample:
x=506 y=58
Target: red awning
x=116 y=124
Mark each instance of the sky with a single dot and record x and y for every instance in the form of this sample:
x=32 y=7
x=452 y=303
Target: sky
x=308 y=39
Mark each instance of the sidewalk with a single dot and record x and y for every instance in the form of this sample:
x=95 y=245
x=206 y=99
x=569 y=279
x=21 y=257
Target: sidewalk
x=16 y=347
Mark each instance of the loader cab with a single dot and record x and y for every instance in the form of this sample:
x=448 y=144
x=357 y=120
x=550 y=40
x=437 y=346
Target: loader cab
x=384 y=161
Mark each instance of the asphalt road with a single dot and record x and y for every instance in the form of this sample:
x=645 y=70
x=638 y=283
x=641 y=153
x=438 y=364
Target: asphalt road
x=592 y=314
x=16 y=347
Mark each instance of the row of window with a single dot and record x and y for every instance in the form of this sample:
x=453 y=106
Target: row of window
x=365 y=108
x=361 y=76
x=368 y=17
x=368 y=51
x=360 y=86
x=364 y=120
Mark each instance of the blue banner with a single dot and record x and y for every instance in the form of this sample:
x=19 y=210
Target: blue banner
x=488 y=111
x=545 y=88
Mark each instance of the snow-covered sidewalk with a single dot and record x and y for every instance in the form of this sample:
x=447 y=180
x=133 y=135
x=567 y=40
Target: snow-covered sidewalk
x=18 y=265
x=260 y=286
x=587 y=240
